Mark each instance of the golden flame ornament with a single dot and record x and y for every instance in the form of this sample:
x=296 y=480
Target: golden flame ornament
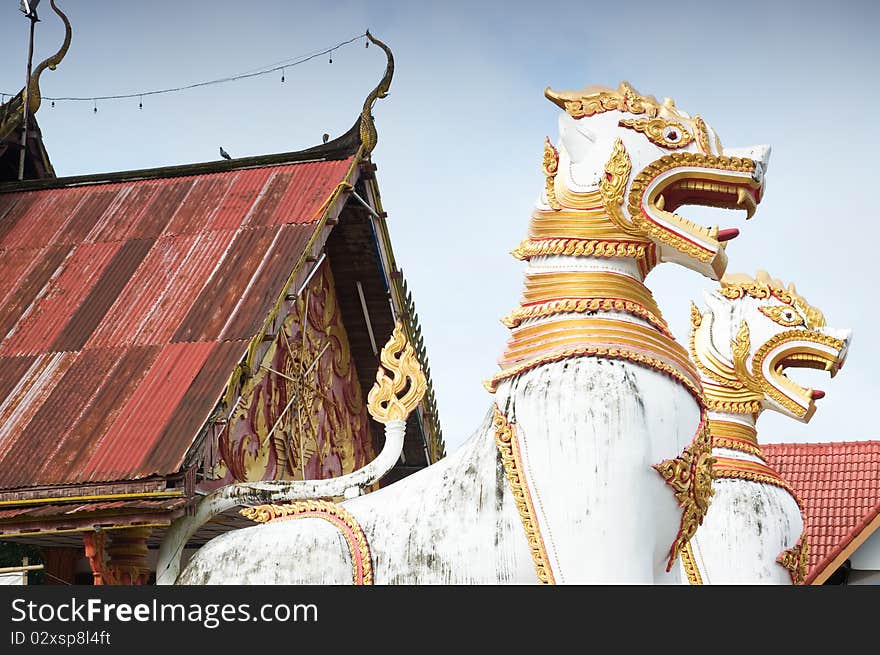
x=385 y=402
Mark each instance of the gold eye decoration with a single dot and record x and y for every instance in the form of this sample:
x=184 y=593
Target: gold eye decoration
x=785 y=315
x=664 y=133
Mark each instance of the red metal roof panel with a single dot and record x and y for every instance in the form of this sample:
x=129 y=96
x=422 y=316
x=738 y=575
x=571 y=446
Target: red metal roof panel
x=231 y=278
x=269 y=198
x=123 y=215
x=23 y=284
x=303 y=198
x=102 y=294
x=134 y=432
x=38 y=220
x=87 y=213
x=202 y=201
x=248 y=315
x=16 y=264
x=41 y=322
x=240 y=197
x=11 y=371
x=27 y=396
x=162 y=291
x=7 y=202
x=196 y=406
x=70 y=395
x=79 y=443
x=170 y=197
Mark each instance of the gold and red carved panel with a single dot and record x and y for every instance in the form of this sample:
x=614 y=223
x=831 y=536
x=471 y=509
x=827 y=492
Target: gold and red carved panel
x=302 y=414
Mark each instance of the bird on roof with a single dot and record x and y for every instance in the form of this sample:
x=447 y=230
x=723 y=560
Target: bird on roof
x=224 y=154
x=325 y=137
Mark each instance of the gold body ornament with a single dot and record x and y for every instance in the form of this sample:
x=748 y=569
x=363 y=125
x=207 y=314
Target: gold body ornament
x=362 y=566
x=508 y=448
x=690 y=476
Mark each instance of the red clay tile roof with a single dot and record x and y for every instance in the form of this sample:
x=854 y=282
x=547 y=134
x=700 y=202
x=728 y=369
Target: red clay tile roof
x=839 y=483
x=125 y=306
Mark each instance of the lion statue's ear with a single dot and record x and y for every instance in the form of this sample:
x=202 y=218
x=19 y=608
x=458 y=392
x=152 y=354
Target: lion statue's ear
x=575 y=137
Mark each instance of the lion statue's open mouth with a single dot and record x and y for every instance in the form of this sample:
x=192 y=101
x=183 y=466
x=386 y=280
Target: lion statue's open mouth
x=756 y=331
x=661 y=160
x=810 y=349
x=681 y=179
x=711 y=186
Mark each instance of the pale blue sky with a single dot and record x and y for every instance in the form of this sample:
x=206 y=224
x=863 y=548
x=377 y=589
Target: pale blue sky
x=461 y=133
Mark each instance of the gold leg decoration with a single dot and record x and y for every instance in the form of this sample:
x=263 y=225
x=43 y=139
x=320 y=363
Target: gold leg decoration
x=513 y=470
x=362 y=565
x=795 y=559
x=690 y=476
x=690 y=565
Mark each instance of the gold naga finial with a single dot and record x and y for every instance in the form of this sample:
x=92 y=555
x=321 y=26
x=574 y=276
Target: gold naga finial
x=369 y=137
x=11 y=113
x=384 y=401
x=597 y=99
x=51 y=63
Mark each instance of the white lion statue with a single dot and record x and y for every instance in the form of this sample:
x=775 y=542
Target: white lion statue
x=592 y=465
x=752 y=331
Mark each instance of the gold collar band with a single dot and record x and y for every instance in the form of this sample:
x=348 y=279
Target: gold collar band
x=733 y=430
x=558 y=292
x=584 y=224
x=553 y=340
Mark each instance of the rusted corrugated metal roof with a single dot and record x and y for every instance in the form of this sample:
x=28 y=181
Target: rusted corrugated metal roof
x=124 y=307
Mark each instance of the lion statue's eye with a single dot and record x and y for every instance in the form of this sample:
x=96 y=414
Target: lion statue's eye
x=785 y=316
x=671 y=134
x=665 y=133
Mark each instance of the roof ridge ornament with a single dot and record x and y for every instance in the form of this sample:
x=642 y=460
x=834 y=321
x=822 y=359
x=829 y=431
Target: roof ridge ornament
x=51 y=62
x=11 y=112
x=369 y=137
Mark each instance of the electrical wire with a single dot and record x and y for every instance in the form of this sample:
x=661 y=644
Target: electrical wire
x=279 y=66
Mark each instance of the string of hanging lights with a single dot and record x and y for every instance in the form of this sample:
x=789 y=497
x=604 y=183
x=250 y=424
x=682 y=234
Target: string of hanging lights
x=263 y=70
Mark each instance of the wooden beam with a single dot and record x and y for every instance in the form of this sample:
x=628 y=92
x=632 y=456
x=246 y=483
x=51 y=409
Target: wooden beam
x=68 y=499
x=16 y=569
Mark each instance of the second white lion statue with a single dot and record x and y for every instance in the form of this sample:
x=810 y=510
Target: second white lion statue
x=751 y=332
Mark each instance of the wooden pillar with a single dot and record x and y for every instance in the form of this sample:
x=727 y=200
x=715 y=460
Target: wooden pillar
x=95 y=553
x=127 y=556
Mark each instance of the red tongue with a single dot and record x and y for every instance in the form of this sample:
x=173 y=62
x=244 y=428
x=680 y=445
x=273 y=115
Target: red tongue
x=817 y=394
x=727 y=235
